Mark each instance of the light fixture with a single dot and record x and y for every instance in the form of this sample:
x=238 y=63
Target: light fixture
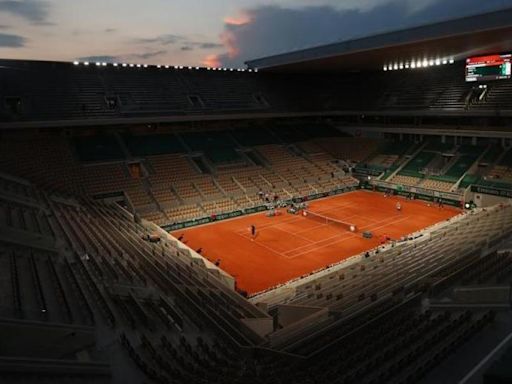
x=75 y=63
x=98 y=64
x=452 y=61
x=103 y=64
x=438 y=62
x=86 y=63
x=115 y=64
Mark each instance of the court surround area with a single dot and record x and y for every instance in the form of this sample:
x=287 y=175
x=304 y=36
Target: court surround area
x=288 y=246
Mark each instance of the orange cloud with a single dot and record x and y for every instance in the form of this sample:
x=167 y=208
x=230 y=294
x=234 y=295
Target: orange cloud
x=241 y=19
x=211 y=61
x=228 y=38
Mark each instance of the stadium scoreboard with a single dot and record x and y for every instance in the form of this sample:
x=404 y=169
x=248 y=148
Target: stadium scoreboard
x=487 y=68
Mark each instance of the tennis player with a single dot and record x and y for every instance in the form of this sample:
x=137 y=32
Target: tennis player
x=398 y=206
x=253 y=232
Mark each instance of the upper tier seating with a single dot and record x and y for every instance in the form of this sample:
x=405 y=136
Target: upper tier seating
x=62 y=91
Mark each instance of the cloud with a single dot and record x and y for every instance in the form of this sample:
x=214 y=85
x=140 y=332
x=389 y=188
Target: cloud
x=208 y=45
x=146 y=55
x=211 y=61
x=12 y=41
x=186 y=43
x=167 y=39
x=34 y=11
x=268 y=30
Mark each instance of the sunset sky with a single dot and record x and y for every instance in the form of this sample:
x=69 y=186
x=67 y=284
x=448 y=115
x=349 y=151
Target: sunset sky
x=206 y=32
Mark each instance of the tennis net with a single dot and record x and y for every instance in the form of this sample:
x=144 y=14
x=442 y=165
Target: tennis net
x=329 y=220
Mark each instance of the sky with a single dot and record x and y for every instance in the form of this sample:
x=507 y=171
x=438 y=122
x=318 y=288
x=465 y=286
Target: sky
x=204 y=32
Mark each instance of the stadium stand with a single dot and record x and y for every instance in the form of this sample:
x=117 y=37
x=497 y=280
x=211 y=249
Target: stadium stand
x=133 y=92
x=104 y=168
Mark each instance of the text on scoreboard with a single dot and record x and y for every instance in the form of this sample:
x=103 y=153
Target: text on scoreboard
x=487 y=68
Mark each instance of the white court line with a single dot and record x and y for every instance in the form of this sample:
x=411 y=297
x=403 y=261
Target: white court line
x=320 y=226
x=263 y=245
x=343 y=239
x=380 y=223
x=292 y=219
x=294 y=234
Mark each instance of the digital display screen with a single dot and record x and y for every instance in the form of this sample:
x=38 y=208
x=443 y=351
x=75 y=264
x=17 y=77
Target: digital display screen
x=488 y=68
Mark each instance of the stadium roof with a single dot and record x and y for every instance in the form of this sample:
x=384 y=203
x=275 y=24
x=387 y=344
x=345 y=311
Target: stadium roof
x=454 y=39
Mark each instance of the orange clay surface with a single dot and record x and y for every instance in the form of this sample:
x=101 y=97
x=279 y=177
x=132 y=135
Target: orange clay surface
x=288 y=246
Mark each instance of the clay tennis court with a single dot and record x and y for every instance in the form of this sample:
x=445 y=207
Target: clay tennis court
x=288 y=246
